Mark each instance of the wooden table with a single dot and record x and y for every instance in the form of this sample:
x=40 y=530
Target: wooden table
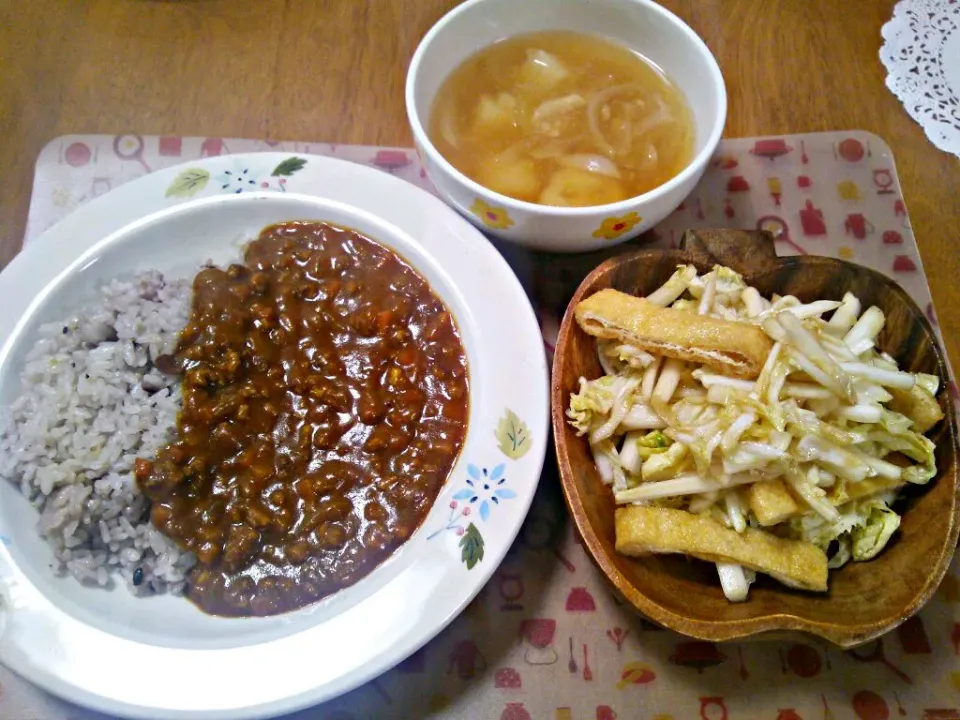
x=334 y=70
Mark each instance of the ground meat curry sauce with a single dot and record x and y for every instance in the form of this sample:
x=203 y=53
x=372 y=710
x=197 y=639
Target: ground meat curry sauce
x=324 y=403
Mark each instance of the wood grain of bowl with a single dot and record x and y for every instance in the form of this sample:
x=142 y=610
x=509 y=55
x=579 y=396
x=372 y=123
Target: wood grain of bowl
x=865 y=599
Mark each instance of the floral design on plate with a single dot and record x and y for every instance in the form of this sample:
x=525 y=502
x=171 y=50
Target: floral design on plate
x=513 y=436
x=612 y=228
x=485 y=488
x=236 y=180
x=471 y=541
x=188 y=183
x=493 y=217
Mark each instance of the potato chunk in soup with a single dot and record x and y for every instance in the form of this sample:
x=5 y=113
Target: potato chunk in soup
x=562 y=118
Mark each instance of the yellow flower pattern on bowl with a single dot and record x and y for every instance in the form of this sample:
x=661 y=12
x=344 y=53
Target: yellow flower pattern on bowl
x=612 y=228
x=496 y=218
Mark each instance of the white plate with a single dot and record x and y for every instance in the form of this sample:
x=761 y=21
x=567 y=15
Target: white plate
x=163 y=658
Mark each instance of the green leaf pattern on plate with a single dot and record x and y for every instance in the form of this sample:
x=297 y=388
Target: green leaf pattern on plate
x=513 y=436
x=471 y=546
x=288 y=167
x=188 y=183
x=513 y=440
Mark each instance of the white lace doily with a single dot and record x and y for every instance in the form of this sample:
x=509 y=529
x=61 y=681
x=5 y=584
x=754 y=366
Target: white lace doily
x=921 y=52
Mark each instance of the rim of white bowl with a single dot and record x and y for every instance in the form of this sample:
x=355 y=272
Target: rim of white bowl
x=691 y=168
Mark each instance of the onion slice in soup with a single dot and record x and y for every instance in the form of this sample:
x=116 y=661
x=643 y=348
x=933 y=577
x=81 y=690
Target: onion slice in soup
x=599 y=164
x=595 y=104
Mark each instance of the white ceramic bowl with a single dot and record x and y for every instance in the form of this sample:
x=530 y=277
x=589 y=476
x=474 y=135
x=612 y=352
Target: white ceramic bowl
x=642 y=25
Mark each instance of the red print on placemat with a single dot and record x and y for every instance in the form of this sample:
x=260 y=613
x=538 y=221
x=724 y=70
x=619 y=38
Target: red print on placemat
x=391 y=160
x=941 y=714
x=728 y=210
x=850 y=150
x=771 y=148
x=635 y=673
x=883 y=180
x=130 y=147
x=913 y=637
x=858 y=226
x=539 y=633
x=507 y=679
x=899 y=209
x=466 y=659
x=605 y=712
x=617 y=635
x=725 y=162
x=713 y=708
x=77 y=154
x=804 y=661
x=511 y=589
x=211 y=147
x=811 y=220
x=877 y=655
x=738 y=184
x=580 y=600
x=902 y=263
x=515 y=711
x=955 y=638
x=171 y=146
x=775 y=226
x=587 y=670
x=697 y=654
x=788 y=714
x=867 y=705
x=892 y=237
x=698 y=208
x=744 y=673
x=804 y=182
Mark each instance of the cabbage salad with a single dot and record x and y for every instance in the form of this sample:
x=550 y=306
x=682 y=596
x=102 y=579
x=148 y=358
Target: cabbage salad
x=814 y=449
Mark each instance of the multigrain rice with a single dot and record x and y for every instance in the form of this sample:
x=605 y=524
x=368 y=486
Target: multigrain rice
x=92 y=402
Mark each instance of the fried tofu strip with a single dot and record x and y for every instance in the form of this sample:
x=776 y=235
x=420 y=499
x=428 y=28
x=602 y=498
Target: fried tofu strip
x=918 y=405
x=642 y=530
x=734 y=348
x=771 y=502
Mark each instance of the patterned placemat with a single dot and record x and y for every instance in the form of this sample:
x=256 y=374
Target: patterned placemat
x=545 y=640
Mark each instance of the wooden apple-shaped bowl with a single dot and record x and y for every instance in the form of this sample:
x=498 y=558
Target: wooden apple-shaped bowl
x=865 y=599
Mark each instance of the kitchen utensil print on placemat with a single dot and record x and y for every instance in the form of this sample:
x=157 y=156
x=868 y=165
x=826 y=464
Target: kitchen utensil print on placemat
x=466 y=660
x=130 y=147
x=537 y=636
x=877 y=655
x=617 y=636
x=587 y=670
x=635 y=673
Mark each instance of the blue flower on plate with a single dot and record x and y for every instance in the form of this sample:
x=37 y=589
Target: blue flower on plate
x=485 y=487
x=238 y=180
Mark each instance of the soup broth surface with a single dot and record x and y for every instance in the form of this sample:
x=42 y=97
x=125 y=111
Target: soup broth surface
x=562 y=118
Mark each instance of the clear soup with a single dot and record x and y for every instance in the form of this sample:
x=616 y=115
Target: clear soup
x=562 y=118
